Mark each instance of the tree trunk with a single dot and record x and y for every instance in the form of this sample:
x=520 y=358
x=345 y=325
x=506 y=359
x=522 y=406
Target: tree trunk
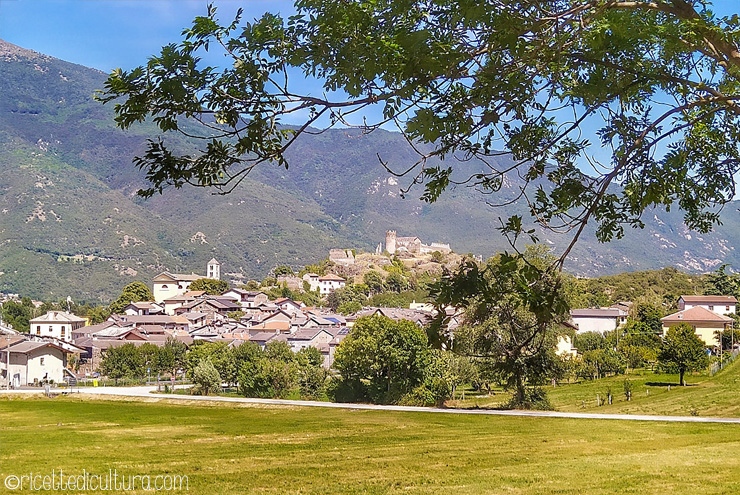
x=519 y=389
x=680 y=377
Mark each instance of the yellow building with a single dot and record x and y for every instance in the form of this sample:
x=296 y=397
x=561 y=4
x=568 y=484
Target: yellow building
x=707 y=324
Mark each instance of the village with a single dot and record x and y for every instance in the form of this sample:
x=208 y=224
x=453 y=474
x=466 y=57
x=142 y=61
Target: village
x=58 y=339
x=62 y=348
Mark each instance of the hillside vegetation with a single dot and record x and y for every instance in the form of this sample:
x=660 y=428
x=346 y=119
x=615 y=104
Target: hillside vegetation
x=73 y=225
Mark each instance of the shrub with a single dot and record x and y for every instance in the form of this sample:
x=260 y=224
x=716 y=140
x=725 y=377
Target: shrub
x=206 y=377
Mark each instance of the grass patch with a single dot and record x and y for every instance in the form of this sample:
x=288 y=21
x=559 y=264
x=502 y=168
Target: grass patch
x=224 y=448
x=652 y=393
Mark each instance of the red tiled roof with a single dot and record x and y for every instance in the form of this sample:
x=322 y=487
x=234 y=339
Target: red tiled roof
x=697 y=314
x=709 y=299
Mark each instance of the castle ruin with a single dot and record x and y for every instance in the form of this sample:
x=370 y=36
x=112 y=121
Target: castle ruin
x=412 y=245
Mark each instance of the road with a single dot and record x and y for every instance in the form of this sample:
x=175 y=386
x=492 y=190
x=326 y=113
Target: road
x=146 y=392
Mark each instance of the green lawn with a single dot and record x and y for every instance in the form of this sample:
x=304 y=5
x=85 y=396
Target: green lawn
x=652 y=393
x=223 y=448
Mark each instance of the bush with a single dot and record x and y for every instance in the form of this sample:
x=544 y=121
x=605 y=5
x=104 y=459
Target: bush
x=312 y=382
x=339 y=390
x=267 y=378
x=206 y=377
x=433 y=392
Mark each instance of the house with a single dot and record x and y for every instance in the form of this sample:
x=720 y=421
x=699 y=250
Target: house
x=325 y=284
x=564 y=347
x=276 y=315
x=91 y=329
x=273 y=326
x=173 y=303
x=723 y=305
x=167 y=285
x=428 y=307
x=33 y=362
x=262 y=338
x=706 y=324
x=600 y=320
x=143 y=308
x=215 y=308
x=313 y=337
x=56 y=324
x=290 y=281
x=329 y=283
x=246 y=298
x=289 y=305
x=150 y=322
x=195 y=318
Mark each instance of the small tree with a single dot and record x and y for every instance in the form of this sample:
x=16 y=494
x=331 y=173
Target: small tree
x=206 y=376
x=133 y=292
x=374 y=281
x=172 y=356
x=282 y=271
x=683 y=349
x=381 y=360
x=122 y=362
x=98 y=314
x=396 y=282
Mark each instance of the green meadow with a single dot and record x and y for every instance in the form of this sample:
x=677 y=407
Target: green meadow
x=652 y=393
x=225 y=448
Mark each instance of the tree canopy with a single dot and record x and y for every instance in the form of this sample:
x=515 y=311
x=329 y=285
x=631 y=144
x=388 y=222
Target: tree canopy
x=683 y=349
x=515 y=306
x=134 y=292
x=381 y=360
x=211 y=286
x=574 y=97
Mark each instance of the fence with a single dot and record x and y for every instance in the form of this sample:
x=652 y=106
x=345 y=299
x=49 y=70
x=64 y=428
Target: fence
x=726 y=358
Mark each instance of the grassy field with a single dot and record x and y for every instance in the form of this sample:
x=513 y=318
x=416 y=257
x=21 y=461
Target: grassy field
x=275 y=450
x=652 y=393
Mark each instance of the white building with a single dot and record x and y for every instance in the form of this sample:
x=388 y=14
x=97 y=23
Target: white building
x=167 y=285
x=56 y=324
x=326 y=284
x=329 y=283
x=33 y=362
x=722 y=305
x=599 y=320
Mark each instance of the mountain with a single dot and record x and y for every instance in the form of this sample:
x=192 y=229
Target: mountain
x=71 y=223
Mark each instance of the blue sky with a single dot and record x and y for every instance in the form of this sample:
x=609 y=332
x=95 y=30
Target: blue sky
x=106 y=34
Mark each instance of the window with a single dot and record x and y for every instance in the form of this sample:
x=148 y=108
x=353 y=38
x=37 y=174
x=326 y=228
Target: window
x=63 y=333
x=51 y=328
x=38 y=329
x=62 y=329
x=42 y=361
x=727 y=308
x=164 y=287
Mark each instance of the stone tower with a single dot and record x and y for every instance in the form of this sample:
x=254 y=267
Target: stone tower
x=214 y=269
x=390 y=241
